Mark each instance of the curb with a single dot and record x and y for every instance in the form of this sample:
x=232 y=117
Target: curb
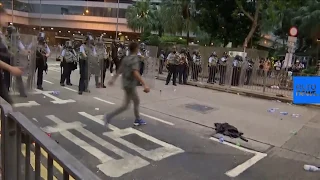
x=243 y=93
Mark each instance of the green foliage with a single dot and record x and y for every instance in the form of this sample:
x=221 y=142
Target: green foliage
x=172 y=40
x=312 y=70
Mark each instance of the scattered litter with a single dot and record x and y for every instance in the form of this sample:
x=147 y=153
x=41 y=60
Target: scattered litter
x=284 y=113
x=290 y=104
x=294 y=132
x=238 y=144
x=238 y=93
x=272 y=110
x=229 y=130
x=44 y=96
x=275 y=87
x=295 y=115
x=97 y=109
x=35 y=119
x=221 y=139
x=311 y=168
x=174 y=90
x=55 y=92
x=279 y=101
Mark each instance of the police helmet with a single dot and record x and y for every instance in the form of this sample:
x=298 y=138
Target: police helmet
x=41 y=37
x=237 y=57
x=183 y=50
x=68 y=44
x=142 y=46
x=214 y=53
x=90 y=38
x=11 y=29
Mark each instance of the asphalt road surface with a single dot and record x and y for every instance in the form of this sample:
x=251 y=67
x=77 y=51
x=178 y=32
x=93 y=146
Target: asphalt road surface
x=167 y=148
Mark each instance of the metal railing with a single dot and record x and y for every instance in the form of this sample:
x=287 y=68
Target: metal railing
x=22 y=142
x=230 y=77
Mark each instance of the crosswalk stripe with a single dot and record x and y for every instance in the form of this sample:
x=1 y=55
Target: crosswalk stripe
x=43 y=169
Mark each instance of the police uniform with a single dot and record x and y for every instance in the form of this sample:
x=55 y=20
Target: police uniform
x=107 y=62
x=4 y=54
x=236 y=69
x=68 y=63
x=42 y=53
x=212 y=67
x=182 y=67
x=172 y=65
x=121 y=53
x=83 y=65
x=101 y=56
x=223 y=68
x=196 y=68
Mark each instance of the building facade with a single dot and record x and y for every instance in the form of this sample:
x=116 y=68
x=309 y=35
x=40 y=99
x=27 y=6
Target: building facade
x=63 y=19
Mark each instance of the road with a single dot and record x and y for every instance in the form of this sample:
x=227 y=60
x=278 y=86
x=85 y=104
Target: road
x=167 y=148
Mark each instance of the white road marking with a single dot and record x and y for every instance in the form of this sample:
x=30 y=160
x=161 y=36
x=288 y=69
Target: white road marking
x=70 y=89
x=109 y=166
x=108 y=102
x=157 y=154
x=55 y=99
x=54 y=70
x=157 y=119
x=48 y=81
x=146 y=115
x=28 y=104
x=246 y=165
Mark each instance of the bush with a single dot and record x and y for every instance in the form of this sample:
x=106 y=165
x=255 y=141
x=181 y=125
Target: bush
x=312 y=70
x=172 y=40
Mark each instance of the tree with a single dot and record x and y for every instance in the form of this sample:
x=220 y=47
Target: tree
x=253 y=17
x=140 y=17
x=178 y=16
x=224 y=22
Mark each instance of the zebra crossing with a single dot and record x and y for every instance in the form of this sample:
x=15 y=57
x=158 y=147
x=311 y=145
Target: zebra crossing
x=125 y=155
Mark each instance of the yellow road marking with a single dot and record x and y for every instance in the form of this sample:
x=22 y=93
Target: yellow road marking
x=43 y=170
x=55 y=164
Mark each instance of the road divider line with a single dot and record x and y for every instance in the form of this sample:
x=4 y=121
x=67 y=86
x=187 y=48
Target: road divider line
x=70 y=89
x=157 y=119
x=102 y=100
x=49 y=82
x=247 y=164
x=28 y=104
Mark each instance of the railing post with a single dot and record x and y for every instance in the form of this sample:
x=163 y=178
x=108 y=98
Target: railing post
x=10 y=152
x=264 y=80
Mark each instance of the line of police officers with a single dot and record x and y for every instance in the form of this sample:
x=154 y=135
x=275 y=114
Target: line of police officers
x=21 y=55
x=179 y=64
x=94 y=58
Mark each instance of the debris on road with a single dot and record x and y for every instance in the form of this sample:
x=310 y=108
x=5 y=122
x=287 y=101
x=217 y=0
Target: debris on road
x=97 y=109
x=284 y=113
x=221 y=139
x=55 y=93
x=229 y=130
x=295 y=115
x=311 y=168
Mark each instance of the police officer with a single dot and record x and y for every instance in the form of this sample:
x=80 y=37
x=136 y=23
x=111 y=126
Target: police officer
x=182 y=67
x=121 y=53
x=107 y=63
x=248 y=70
x=69 y=59
x=101 y=56
x=87 y=58
x=236 y=69
x=114 y=53
x=172 y=65
x=143 y=55
x=196 y=68
x=42 y=54
x=212 y=67
x=223 y=68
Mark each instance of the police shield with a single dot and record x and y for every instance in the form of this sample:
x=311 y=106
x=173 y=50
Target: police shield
x=23 y=49
x=150 y=65
x=100 y=62
x=93 y=66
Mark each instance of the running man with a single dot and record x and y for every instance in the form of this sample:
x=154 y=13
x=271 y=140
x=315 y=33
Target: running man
x=130 y=69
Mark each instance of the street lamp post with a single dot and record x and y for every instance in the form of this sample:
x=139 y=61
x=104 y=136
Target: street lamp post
x=117 y=20
x=317 y=60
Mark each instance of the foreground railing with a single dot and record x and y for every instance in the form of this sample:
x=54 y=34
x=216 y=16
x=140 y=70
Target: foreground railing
x=16 y=132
